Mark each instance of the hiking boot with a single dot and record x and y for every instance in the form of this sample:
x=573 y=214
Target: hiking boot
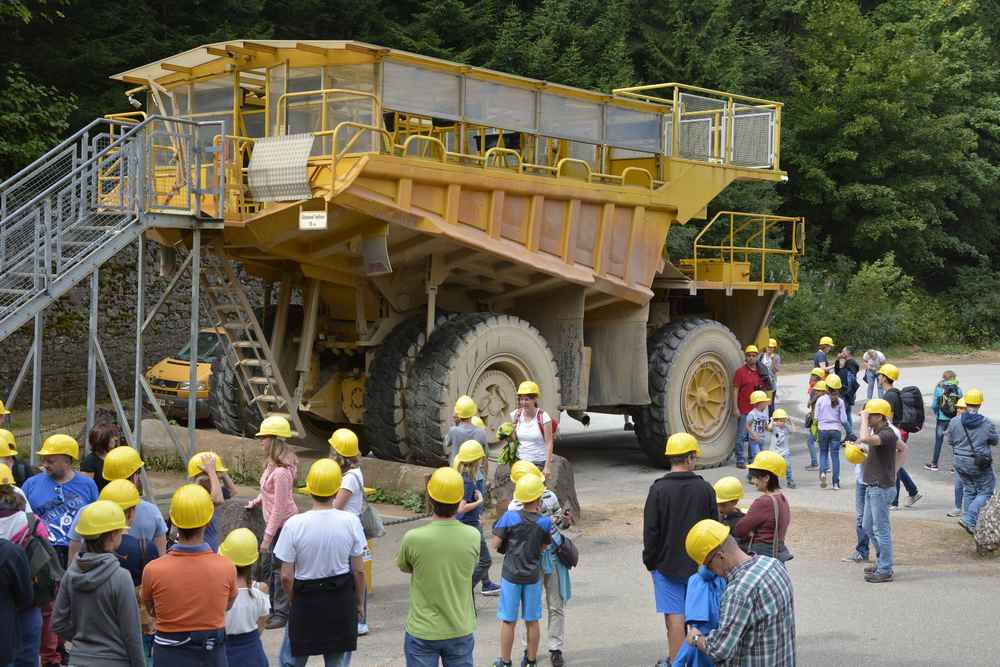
x=490 y=589
x=791 y=485
x=556 y=659
x=969 y=529
x=912 y=500
x=822 y=480
x=812 y=466
x=955 y=513
x=870 y=569
x=878 y=577
x=855 y=558
x=931 y=466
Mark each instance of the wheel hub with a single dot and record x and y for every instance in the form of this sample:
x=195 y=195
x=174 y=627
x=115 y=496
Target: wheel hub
x=494 y=391
x=706 y=396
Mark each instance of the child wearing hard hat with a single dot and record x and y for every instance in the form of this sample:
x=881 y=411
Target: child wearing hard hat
x=728 y=492
x=757 y=421
x=207 y=470
x=247 y=618
x=778 y=427
x=464 y=429
x=8 y=456
x=469 y=462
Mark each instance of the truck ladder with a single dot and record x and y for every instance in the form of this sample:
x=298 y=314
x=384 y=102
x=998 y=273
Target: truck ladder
x=243 y=338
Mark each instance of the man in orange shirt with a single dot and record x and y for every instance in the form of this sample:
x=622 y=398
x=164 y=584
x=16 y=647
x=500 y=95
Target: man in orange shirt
x=189 y=589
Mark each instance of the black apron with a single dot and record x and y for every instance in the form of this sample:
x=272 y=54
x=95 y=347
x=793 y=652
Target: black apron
x=324 y=616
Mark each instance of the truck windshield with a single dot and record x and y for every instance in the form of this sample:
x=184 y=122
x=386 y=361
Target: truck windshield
x=208 y=348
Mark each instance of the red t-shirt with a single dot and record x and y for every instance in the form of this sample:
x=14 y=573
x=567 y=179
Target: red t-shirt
x=746 y=381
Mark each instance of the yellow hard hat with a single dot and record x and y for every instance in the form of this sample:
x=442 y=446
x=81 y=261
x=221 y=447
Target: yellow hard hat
x=8 y=445
x=6 y=476
x=195 y=466
x=973 y=397
x=522 y=468
x=879 y=406
x=728 y=489
x=751 y=349
x=819 y=386
x=344 y=441
x=478 y=422
x=191 y=507
x=121 y=491
x=818 y=372
x=853 y=453
x=960 y=403
x=682 y=443
x=528 y=388
x=833 y=382
x=276 y=426
x=771 y=342
x=3 y=409
x=705 y=537
x=772 y=462
x=504 y=430
x=469 y=451
x=779 y=414
x=529 y=488
x=446 y=486
x=324 y=478
x=99 y=517
x=890 y=371
x=759 y=397
x=121 y=463
x=60 y=443
x=826 y=340
x=240 y=546
x=465 y=407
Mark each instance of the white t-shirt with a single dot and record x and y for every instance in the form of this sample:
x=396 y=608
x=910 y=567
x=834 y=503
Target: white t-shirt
x=249 y=605
x=530 y=438
x=321 y=543
x=354 y=481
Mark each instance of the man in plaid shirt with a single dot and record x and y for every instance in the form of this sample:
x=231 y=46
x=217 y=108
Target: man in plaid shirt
x=756 y=614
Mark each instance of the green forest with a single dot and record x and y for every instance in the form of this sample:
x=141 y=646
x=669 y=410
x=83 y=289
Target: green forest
x=891 y=129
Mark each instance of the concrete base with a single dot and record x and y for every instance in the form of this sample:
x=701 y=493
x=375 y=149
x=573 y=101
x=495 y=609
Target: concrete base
x=242 y=456
x=393 y=476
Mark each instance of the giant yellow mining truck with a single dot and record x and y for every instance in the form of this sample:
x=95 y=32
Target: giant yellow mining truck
x=428 y=229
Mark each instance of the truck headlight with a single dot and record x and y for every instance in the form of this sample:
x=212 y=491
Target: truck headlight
x=185 y=386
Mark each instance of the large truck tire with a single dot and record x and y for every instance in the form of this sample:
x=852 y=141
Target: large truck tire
x=485 y=356
x=385 y=390
x=691 y=367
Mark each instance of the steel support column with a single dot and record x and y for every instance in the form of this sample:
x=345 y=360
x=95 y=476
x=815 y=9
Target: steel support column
x=95 y=295
x=195 y=319
x=140 y=308
x=36 y=390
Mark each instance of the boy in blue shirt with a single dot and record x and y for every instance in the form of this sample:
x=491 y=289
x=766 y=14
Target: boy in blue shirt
x=521 y=537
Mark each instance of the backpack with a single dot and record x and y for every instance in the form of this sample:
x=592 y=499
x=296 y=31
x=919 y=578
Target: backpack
x=912 y=419
x=766 y=379
x=538 y=417
x=948 y=401
x=46 y=570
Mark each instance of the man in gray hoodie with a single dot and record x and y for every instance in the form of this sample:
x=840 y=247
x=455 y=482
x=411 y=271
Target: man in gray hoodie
x=973 y=436
x=96 y=607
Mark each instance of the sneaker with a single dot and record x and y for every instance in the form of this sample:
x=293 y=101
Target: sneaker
x=490 y=589
x=812 y=466
x=854 y=558
x=664 y=662
x=822 y=480
x=931 y=466
x=275 y=621
x=556 y=659
x=500 y=663
x=362 y=629
x=836 y=487
x=969 y=529
x=912 y=500
x=870 y=569
x=791 y=484
x=954 y=514
x=528 y=663
x=893 y=508
x=878 y=578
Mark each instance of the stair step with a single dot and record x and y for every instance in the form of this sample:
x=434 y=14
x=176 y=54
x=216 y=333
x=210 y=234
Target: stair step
x=254 y=363
x=238 y=325
x=246 y=344
x=261 y=380
x=229 y=308
x=266 y=398
x=14 y=291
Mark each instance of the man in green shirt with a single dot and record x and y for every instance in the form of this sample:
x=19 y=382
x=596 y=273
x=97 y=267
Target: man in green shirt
x=441 y=556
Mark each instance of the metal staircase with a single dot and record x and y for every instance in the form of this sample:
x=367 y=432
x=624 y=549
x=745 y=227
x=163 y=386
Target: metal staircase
x=246 y=345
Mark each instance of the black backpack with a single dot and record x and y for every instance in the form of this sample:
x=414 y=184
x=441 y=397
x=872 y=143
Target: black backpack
x=948 y=402
x=766 y=379
x=46 y=570
x=912 y=419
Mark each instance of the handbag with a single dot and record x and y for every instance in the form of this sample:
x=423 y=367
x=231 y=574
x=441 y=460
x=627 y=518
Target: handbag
x=371 y=522
x=567 y=553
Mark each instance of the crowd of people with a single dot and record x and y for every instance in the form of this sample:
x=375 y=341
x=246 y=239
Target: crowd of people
x=86 y=563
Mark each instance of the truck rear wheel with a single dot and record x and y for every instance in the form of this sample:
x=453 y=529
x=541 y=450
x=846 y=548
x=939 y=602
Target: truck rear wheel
x=485 y=356
x=691 y=366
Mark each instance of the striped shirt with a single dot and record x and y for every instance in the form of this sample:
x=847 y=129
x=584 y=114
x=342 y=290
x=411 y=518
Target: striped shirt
x=756 y=617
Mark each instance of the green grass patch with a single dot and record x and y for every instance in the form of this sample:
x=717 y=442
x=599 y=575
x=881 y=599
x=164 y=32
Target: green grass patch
x=411 y=500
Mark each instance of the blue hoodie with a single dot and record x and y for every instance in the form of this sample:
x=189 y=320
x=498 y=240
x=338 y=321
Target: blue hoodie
x=970 y=434
x=701 y=610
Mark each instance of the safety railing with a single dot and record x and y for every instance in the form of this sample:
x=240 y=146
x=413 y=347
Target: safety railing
x=733 y=248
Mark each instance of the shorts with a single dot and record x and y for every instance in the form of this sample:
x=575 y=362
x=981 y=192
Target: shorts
x=524 y=597
x=669 y=593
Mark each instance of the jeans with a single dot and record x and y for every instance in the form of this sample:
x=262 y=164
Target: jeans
x=787 y=455
x=876 y=525
x=861 y=548
x=959 y=492
x=939 y=431
x=977 y=487
x=742 y=439
x=271 y=569
x=873 y=386
x=811 y=444
x=30 y=638
x=829 y=447
x=911 y=487
x=482 y=571
x=455 y=652
x=286 y=659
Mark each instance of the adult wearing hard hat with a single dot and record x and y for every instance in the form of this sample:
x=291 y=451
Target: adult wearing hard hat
x=464 y=428
x=96 y=607
x=765 y=525
x=277 y=503
x=344 y=449
x=973 y=437
x=440 y=558
x=879 y=479
x=8 y=456
x=103 y=437
x=856 y=455
x=323 y=573
x=207 y=470
x=888 y=374
x=190 y=588
x=675 y=503
x=533 y=427
x=822 y=357
x=756 y=613
x=746 y=381
x=834 y=423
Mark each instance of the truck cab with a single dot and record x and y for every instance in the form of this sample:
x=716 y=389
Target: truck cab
x=169 y=378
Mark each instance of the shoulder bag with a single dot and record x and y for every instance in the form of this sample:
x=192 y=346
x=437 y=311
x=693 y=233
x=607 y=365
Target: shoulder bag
x=778 y=549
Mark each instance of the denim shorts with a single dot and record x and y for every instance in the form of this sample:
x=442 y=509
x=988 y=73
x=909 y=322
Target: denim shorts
x=524 y=597
x=669 y=592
